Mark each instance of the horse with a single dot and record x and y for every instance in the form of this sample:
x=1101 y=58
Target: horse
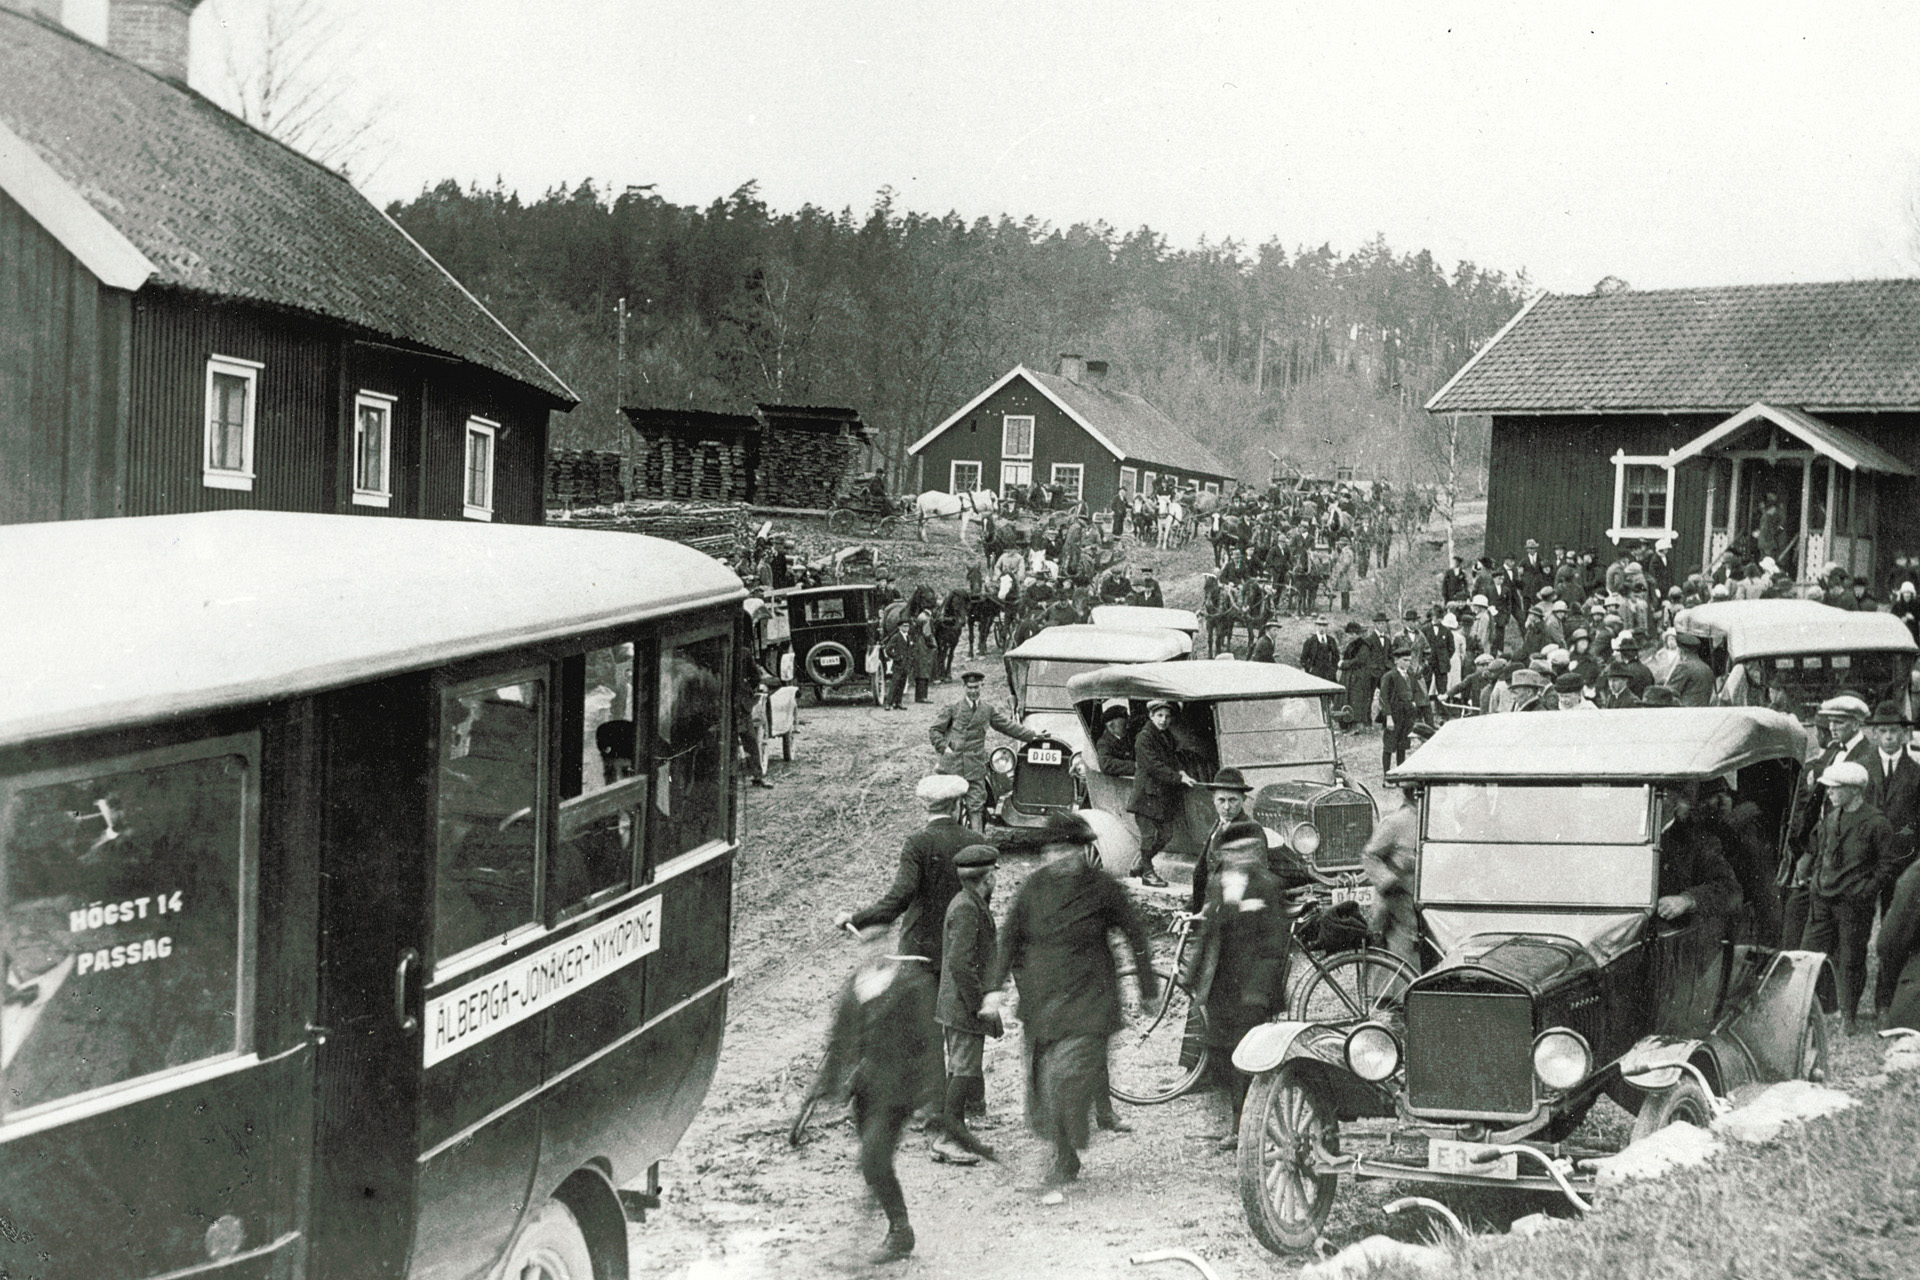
x=935 y=505
x=983 y=612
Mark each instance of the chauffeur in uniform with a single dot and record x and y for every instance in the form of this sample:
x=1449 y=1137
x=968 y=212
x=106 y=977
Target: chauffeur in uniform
x=959 y=734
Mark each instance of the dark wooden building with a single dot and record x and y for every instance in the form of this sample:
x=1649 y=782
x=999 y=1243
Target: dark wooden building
x=1678 y=413
x=781 y=455
x=1069 y=428
x=197 y=317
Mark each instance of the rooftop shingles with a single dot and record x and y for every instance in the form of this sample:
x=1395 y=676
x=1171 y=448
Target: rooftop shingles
x=223 y=209
x=1840 y=345
x=1136 y=428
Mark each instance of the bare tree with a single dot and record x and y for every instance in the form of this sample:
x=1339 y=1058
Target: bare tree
x=289 y=72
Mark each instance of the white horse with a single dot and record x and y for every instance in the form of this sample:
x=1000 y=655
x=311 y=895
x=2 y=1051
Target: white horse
x=936 y=505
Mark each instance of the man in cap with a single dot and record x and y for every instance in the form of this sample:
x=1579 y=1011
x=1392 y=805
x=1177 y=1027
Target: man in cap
x=959 y=734
x=1893 y=786
x=969 y=940
x=925 y=882
x=1158 y=798
x=1150 y=594
x=1114 y=750
x=1570 y=692
x=1842 y=722
x=1054 y=946
x=1399 y=707
x=1852 y=855
x=1320 y=652
x=1390 y=859
x=1691 y=678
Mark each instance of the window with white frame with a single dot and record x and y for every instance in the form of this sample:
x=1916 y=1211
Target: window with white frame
x=478 y=501
x=1016 y=436
x=1148 y=481
x=1013 y=473
x=1129 y=480
x=233 y=387
x=1068 y=475
x=1642 y=496
x=963 y=477
x=1211 y=486
x=372 y=449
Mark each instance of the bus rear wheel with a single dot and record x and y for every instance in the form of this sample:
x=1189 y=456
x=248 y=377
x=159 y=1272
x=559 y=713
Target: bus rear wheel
x=552 y=1247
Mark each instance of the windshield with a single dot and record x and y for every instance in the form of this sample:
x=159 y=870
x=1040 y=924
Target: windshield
x=1274 y=731
x=1798 y=683
x=1040 y=684
x=1528 y=813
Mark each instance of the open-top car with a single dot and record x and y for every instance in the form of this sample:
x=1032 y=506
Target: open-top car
x=1044 y=776
x=1135 y=617
x=1272 y=722
x=1556 y=972
x=1792 y=655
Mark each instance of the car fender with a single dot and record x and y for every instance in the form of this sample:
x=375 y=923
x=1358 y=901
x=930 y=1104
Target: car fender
x=1768 y=1025
x=1272 y=1043
x=1116 y=838
x=781 y=706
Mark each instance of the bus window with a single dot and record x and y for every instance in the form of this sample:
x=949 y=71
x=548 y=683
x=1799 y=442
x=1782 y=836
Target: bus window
x=600 y=806
x=124 y=920
x=489 y=811
x=689 y=750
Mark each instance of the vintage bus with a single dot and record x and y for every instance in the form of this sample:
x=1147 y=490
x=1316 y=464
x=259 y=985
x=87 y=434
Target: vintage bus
x=364 y=892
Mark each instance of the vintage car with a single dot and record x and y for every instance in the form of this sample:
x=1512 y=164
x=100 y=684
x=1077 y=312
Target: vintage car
x=1044 y=776
x=1273 y=723
x=1550 y=981
x=835 y=636
x=1134 y=617
x=1792 y=655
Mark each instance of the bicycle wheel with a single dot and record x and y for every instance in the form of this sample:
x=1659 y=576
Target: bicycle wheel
x=1353 y=986
x=1152 y=1060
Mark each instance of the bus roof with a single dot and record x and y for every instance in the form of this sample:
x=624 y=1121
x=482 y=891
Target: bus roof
x=1183 y=681
x=1079 y=642
x=1646 y=744
x=1770 y=628
x=112 y=622
x=1138 y=615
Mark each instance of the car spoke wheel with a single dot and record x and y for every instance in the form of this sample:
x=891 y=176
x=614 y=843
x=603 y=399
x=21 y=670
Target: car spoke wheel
x=1353 y=986
x=1684 y=1101
x=1162 y=1052
x=1286 y=1201
x=551 y=1247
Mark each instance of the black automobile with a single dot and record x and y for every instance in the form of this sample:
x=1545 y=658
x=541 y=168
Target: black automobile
x=835 y=636
x=1550 y=980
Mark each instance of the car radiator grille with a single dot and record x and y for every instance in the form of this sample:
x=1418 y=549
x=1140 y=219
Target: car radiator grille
x=1345 y=827
x=1469 y=1053
x=1039 y=787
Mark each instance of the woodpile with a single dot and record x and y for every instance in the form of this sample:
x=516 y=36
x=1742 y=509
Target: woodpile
x=693 y=469
x=801 y=468
x=719 y=529
x=584 y=478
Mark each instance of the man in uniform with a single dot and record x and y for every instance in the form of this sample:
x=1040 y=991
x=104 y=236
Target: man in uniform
x=1691 y=679
x=969 y=942
x=1158 y=799
x=925 y=882
x=959 y=734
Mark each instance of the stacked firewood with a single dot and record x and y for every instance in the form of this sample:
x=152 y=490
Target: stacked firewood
x=584 y=478
x=715 y=528
x=674 y=467
x=803 y=468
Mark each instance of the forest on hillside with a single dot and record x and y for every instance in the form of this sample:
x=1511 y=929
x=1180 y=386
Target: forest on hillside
x=1321 y=357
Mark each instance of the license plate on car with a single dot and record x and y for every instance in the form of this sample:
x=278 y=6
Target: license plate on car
x=1360 y=893
x=1043 y=755
x=828 y=659
x=1474 y=1159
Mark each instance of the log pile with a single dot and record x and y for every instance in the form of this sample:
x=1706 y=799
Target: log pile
x=584 y=478
x=801 y=468
x=675 y=467
x=719 y=529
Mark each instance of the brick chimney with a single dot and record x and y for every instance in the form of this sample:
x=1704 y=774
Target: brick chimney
x=152 y=33
x=1071 y=366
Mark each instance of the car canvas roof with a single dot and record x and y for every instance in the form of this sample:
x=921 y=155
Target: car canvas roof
x=114 y=622
x=1080 y=642
x=1766 y=628
x=1184 y=681
x=1139 y=615
x=1646 y=744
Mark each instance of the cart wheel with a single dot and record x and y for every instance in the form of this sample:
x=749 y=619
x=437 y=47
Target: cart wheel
x=551 y=1248
x=1286 y=1202
x=786 y=745
x=886 y=527
x=1684 y=1101
x=840 y=520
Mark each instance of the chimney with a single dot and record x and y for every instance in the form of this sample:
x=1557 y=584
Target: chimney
x=1071 y=366
x=152 y=33
x=1096 y=371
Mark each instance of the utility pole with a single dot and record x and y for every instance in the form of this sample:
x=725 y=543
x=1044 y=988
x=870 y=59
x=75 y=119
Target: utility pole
x=620 y=362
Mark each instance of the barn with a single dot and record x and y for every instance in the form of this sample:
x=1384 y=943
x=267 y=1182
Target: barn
x=1068 y=428
x=196 y=317
x=1681 y=414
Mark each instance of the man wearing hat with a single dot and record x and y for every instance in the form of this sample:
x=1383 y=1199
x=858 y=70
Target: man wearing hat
x=959 y=734
x=1852 y=854
x=1261 y=650
x=1399 y=707
x=1319 y=652
x=1230 y=792
x=1893 y=786
x=925 y=882
x=1054 y=947
x=1691 y=678
x=968 y=941
x=1615 y=690
x=1158 y=798
x=1525 y=686
x=1842 y=720
x=1114 y=750
x=1639 y=679
x=1658 y=696
x=1532 y=574
x=1570 y=692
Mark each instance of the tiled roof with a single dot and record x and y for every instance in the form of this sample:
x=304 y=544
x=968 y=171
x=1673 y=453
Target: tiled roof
x=1135 y=427
x=1846 y=344
x=221 y=208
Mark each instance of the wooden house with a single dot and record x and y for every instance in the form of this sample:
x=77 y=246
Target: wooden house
x=1681 y=413
x=197 y=317
x=1069 y=428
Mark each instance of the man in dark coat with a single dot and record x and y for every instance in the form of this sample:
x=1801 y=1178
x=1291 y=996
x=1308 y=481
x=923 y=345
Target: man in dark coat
x=1114 y=750
x=1691 y=679
x=1398 y=708
x=1898 y=994
x=1639 y=677
x=925 y=882
x=1533 y=574
x=1158 y=800
x=1319 y=652
x=1695 y=876
x=1842 y=718
x=969 y=942
x=1054 y=945
x=1852 y=854
x=1230 y=791
x=1742 y=831
x=1893 y=787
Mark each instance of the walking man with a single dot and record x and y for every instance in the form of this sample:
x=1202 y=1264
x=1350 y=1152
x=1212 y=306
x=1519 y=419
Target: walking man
x=1158 y=801
x=968 y=945
x=1397 y=708
x=926 y=881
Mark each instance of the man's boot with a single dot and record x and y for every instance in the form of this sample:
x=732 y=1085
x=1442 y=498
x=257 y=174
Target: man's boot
x=958 y=1145
x=899 y=1241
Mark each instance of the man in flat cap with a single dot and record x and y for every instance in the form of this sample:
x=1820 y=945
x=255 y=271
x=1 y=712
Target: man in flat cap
x=1114 y=750
x=1852 y=855
x=1841 y=720
x=959 y=734
x=1691 y=678
x=969 y=942
x=925 y=882
x=1158 y=799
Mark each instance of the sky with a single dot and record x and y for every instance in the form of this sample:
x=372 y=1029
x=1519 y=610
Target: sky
x=1667 y=144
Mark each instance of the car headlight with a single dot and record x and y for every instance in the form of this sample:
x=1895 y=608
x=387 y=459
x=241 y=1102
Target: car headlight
x=1078 y=767
x=1001 y=760
x=1305 y=839
x=1372 y=1052
x=1561 y=1058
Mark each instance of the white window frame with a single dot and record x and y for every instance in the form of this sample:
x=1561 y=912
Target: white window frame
x=382 y=496
x=1621 y=461
x=1148 y=479
x=1211 y=486
x=1007 y=449
x=1130 y=480
x=227 y=477
x=1078 y=489
x=953 y=476
x=1011 y=468
x=491 y=430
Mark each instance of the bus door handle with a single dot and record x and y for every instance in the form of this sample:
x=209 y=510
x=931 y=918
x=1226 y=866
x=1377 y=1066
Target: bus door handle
x=404 y=970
